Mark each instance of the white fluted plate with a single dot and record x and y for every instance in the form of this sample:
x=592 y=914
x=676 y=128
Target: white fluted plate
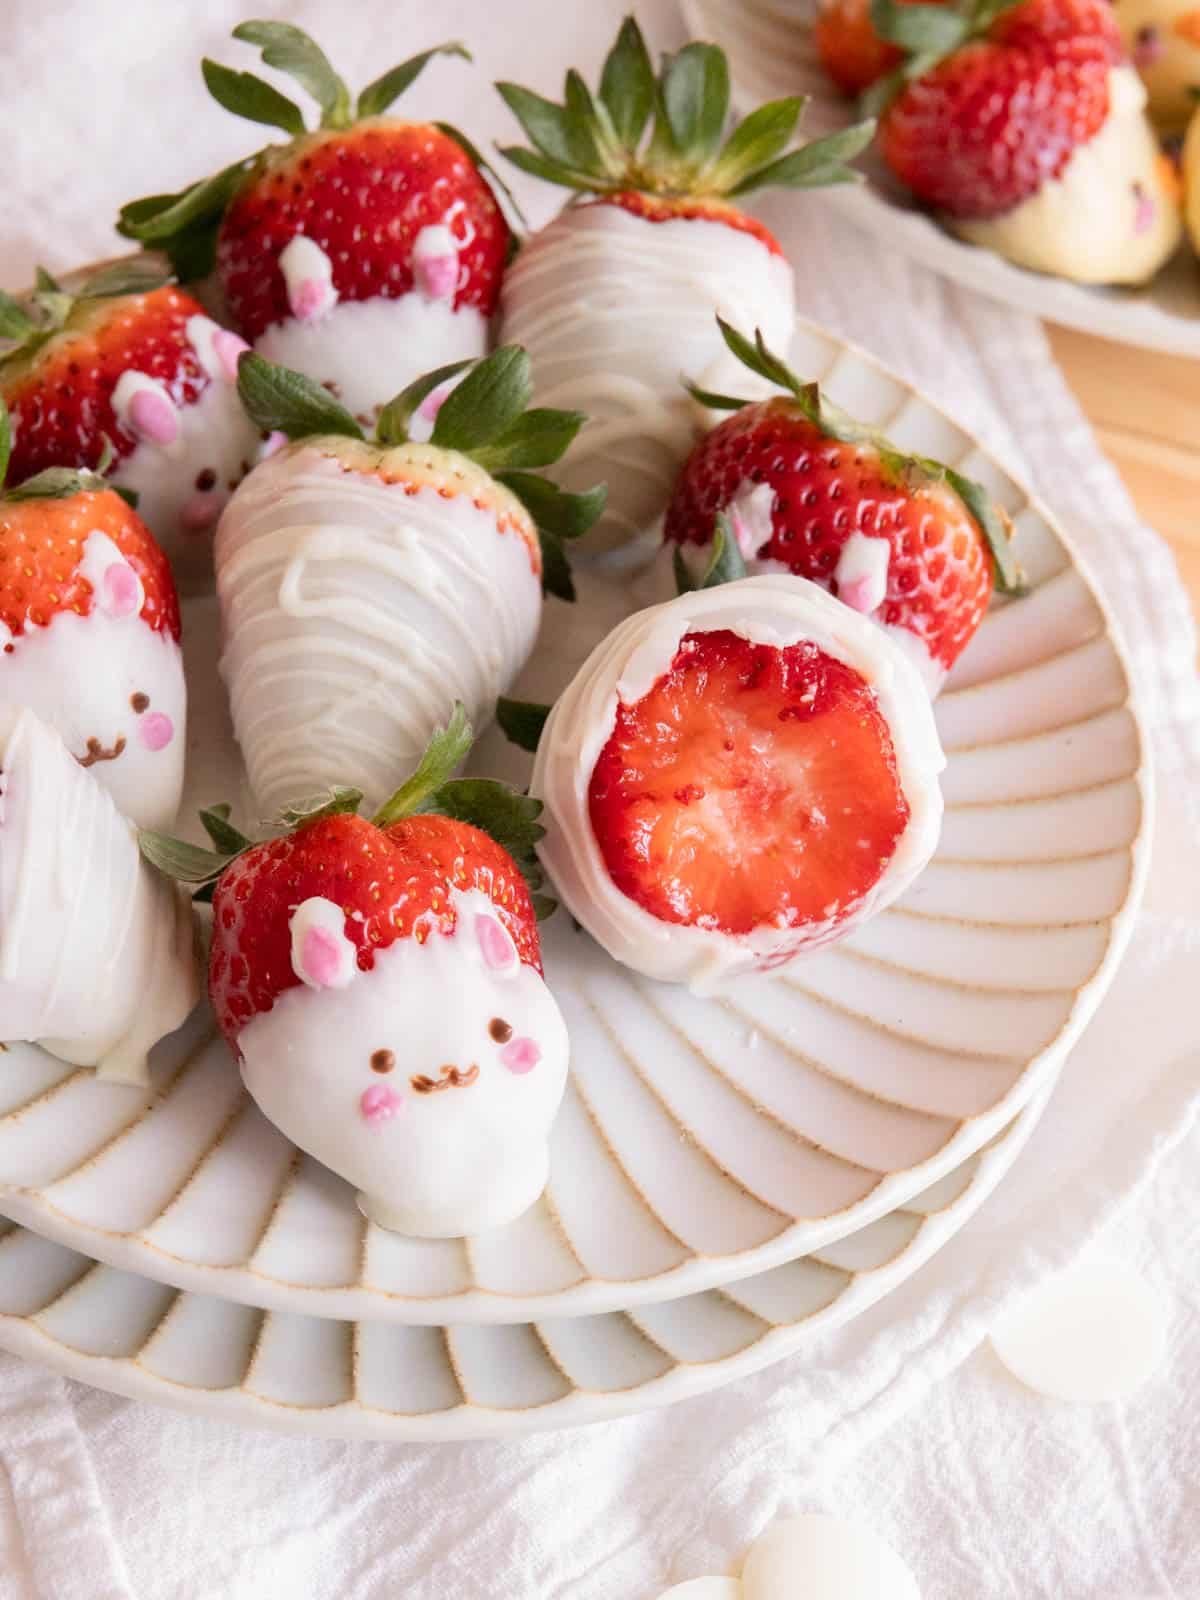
x=700 y=1141
x=771 y=54
x=372 y=1380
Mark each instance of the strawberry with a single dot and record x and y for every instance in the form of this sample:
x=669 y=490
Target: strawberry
x=98 y=954
x=1163 y=41
x=130 y=367
x=736 y=747
x=381 y=983
x=987 y=122
x=366 y=585
x=910 y=543
x=732 y=778
x=614 y=298
x=89 y=623
x=360 y=253
x=851 y=52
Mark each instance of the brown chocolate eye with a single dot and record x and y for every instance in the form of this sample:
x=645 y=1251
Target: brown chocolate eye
x=139 y=701
x=206 y=480
x=500 y=1030
x=382 y=1061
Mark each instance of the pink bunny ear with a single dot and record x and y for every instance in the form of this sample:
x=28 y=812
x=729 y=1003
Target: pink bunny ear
x=322 y=956
x=498 y=951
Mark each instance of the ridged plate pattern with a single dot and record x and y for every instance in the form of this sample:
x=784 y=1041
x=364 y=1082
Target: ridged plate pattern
x=700 y=1141
x=771 y=54
x=377 y=1380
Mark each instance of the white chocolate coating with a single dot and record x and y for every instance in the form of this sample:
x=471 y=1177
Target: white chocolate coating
x=97 y=951
x=1163 y=40
x=366 y=351
x=213 y=434
x=354 y=614
x=778 y=611
x=80 y=675
x=613 y=310
x=1110 y=217
x=456 y=1158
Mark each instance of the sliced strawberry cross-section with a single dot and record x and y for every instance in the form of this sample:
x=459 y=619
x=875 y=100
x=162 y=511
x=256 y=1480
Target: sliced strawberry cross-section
x=751 y=787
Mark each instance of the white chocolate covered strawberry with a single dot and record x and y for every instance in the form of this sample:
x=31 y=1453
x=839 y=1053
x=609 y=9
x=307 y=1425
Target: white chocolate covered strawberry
x=1163 y=41
x=615 y=297
x=132 y=368
x=736 y=777
x=381 y=985
x=367 y=585
x=361 y=253
x=97 y=955
x=89 y=635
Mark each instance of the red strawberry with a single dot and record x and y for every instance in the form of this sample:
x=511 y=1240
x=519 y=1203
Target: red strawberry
x=851 y=52
x=751 y=786
x=614 y=298
x=381 y=984
x=145 y=376
x=89 y=623
x=366 y=211
x=905 y=541
x=1003 y=112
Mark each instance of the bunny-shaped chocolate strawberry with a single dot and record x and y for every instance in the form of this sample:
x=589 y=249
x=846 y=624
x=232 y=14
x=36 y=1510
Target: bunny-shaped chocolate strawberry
x=381 y=984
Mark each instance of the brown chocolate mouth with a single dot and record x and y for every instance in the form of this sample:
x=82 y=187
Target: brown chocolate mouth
x=447 y=1078
x=97 y=752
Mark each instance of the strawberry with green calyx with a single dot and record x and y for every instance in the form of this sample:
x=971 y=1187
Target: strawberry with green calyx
x=807 y=490
x=89 y=632
x=381 y=984
x=615 y=297
x=126 y=363
x=1023 y=125
x=362 y=252
x=367 y=584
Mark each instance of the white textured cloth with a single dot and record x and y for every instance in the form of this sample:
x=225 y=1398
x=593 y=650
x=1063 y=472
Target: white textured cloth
x=901 y=1418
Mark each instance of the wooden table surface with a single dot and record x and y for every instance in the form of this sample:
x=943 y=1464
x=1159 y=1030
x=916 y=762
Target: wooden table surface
x=1145 y=408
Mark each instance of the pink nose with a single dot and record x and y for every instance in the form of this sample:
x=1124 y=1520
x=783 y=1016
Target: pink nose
x=156 y=730
x=200 y=511
x=379 y=1104
x=522 y=1055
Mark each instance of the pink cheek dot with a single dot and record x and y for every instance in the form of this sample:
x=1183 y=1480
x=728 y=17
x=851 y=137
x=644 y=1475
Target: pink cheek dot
x=122 y=590
x=379 y=1104
x=321 y=957
x=1143 y=216
x=227 y=347
x=521 y=1056
x=200 y=512
x=153 y=417
x=437 y=275
x=309 y=300
x=156 y=730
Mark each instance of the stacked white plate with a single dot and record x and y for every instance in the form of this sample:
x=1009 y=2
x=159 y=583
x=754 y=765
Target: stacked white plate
x=771 y=54
x=728 y=1176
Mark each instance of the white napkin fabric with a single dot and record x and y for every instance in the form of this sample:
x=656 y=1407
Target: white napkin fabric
x=900 y=1418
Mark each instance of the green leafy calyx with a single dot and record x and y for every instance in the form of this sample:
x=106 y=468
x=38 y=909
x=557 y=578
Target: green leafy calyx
x=925 y=34
x=664 y=133
x=837 y=424
x=486 y=417
x=28 y=322
x=184 y=225
x=508 y=817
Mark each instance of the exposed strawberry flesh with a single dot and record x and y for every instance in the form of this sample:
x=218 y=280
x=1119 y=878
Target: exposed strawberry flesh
x=697 y=208
x=41 y=546
x=362 y=194
x=60 y=400
x=751 y=787
x=995 y=121
x=939 y=574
